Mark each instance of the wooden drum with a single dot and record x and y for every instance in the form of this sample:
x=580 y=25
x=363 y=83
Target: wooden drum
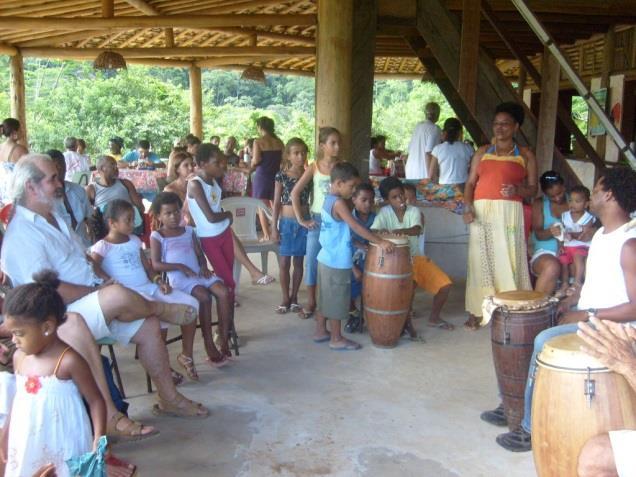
x=519 y=316
x=575 y=398
x=387 y=288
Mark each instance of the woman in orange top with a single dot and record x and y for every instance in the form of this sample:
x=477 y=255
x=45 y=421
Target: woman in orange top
x=502 y=174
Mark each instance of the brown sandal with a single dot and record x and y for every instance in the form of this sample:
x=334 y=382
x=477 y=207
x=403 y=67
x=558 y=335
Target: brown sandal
x=472 y=323
x=180 y=406
x=187 y=364
x=131 y=432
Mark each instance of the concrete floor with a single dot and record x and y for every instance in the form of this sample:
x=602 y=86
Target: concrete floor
x=289 y=407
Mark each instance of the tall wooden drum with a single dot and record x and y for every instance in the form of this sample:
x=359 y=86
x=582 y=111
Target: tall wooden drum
x=518 y=318
x=387 y=288
x=575 y=398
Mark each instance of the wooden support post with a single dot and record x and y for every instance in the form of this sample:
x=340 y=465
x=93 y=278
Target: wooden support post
x=333 y=69
x=550 y=78
x=365 y=14
x=521 y=83
x=196 y=103
x=108 y=8
x=469 y=51
x=609 y=55
x=169 y=36
x=18 y=102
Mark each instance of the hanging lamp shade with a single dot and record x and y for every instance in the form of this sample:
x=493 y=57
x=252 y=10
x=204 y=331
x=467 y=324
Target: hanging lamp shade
x=109 y=60
x=253 y=73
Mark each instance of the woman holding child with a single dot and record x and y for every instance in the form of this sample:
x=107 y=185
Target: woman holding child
x=502 y=174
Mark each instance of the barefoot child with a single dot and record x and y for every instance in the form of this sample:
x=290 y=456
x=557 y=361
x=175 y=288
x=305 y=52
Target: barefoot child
x=399 y=218
x=363 y=202
x=318 y=172
x=285 y=227
x=335 y=260
x=575 y=251
x=119 y=256
x=175 y=249
x=48 y=422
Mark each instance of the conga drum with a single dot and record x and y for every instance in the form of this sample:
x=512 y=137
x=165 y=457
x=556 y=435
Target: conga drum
x=575 y=398
x=519 y=316
x=387 y=287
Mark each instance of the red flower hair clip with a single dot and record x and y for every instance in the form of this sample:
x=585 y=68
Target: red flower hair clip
x=32 y=384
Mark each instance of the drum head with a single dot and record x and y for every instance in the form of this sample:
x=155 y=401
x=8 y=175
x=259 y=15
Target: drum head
x=521 y=299
x=399 y=240
x=564 y=352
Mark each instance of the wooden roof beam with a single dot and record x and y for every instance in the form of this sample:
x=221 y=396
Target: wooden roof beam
x=143 y=7
x=62 y=38
x=260 y=51
x=162 y=21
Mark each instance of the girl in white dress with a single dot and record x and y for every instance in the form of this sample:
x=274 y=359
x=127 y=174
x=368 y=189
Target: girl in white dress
x=175 y=250
x=119 y=256
x=48 y=422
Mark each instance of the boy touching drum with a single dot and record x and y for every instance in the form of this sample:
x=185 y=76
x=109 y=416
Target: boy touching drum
x=335 y=260
x=400 y=218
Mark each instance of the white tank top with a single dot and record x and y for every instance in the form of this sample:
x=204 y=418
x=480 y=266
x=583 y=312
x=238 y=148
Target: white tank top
x=566 y=218
x=604 y=285
x=212 y=193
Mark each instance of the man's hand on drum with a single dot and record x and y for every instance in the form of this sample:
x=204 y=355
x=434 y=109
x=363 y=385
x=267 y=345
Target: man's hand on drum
x=611 y=343
x=573 y=317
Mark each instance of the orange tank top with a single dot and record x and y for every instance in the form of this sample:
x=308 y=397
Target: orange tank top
x=495 y=171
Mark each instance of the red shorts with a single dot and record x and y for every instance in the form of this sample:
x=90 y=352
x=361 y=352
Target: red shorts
x=567 y=257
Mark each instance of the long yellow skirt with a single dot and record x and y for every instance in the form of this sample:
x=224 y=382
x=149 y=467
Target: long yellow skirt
x=497 y=258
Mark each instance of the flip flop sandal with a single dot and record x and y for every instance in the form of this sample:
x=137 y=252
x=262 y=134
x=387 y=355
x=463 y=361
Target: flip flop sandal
x=442 y=325
x=295 y=308
x=304 y=314
x=180 y=406
x=322 y=339
x=112 y=461
x=264 y=280
x=218 y=362
x=130 y=433
x=349 y=346
x=187 y=364
x=281 y=310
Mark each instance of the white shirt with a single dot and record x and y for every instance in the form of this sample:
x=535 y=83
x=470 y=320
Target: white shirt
x=205 y=228
x=375 y=166
x=425 y=137
x=566 y=218
x=122 y=261
x=604 y=285
x=453 y=160
x=75 y=163
x=31 y=244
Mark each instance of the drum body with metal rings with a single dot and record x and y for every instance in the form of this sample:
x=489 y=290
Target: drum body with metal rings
x=519 y=317
x=387 y=289
x=575 y=398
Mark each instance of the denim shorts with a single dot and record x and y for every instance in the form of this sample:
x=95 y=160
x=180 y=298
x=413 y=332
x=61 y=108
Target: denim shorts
x=313 y=247
x=293 y=238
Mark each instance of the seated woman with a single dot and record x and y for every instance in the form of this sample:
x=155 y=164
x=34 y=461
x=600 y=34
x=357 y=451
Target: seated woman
x=184 y=169
x=450 y=159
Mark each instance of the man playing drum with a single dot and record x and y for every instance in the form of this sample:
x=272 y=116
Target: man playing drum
x=610 y=454
x=609 y=291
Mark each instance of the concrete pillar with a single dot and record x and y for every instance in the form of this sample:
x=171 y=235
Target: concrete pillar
x=17 y=93
x=196 y=105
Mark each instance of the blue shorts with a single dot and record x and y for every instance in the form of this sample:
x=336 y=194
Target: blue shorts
x=313 y=247
x=293 y=238
x=356 y=286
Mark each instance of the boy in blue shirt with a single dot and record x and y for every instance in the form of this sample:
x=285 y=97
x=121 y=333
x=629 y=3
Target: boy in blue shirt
x=335 y=261
x=363 y=202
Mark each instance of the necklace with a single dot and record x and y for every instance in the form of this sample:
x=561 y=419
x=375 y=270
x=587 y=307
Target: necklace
x=509 y=152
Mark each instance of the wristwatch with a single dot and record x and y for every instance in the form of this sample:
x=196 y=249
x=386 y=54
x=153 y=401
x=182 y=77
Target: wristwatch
x=591 y=312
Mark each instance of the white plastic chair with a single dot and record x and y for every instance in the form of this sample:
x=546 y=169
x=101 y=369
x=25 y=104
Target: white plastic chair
x=245 y=211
